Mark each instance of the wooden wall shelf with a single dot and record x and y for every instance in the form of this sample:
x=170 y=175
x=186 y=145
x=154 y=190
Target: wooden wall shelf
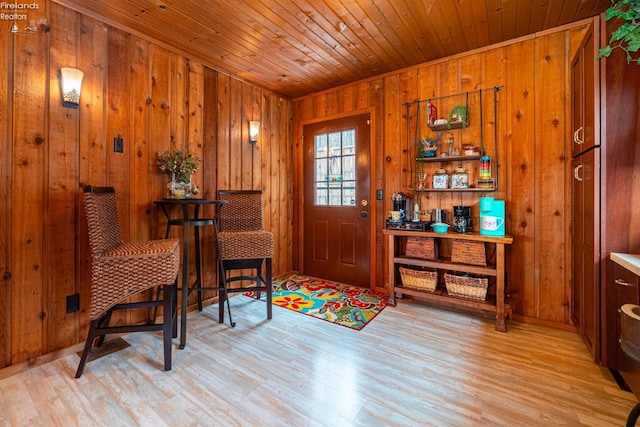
x=447 y=126
x=456 y=190
x=447 y=159
x=416 y=125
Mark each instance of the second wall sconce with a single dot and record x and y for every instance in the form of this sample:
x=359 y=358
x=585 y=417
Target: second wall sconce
x=70 y=86
x=254 y=131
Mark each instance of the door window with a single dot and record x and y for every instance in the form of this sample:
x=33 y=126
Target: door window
x=335 y=168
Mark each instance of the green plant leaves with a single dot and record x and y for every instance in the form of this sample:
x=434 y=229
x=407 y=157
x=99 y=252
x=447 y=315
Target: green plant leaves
x=627 y=35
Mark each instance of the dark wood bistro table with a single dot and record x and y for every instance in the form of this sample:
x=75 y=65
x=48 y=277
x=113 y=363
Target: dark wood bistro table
x=189 y=217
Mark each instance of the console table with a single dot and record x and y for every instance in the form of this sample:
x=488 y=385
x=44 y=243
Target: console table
x=397 y=257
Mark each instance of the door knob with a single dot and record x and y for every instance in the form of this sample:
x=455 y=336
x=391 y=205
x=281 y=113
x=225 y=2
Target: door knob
x=364 y=203
x=364 y=214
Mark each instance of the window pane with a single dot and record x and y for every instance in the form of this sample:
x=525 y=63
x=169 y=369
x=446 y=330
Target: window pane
x=335 y=147
x=334 y=165
x=321 y=169
x=321 y=193
x=349 y=197
x=349 y=141
x=321 y=146
x=334 y=196
x=349 y=167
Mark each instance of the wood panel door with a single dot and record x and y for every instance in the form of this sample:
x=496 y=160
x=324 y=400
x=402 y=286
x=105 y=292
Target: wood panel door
x=336 y=204
x=585 y=247
x=585 y=100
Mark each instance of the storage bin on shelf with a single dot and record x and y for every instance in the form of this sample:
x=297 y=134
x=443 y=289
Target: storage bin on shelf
x=424 y=280
x=468 y=252
x=466 y=286
x=422 y=247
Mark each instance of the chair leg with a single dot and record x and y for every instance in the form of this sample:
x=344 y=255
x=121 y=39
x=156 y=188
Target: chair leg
x=259 y=277
x=158 y=290
x=167 y=323
x=87 y=347
x=269 y=290
x=103 y=322
x=223 y=295
x=174 y=309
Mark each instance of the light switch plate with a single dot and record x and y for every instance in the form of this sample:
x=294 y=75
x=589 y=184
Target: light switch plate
x=118 y=145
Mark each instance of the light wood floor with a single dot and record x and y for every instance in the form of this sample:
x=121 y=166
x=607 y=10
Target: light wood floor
x=413 y=365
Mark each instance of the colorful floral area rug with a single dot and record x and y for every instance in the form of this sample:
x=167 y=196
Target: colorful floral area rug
x=334 y=302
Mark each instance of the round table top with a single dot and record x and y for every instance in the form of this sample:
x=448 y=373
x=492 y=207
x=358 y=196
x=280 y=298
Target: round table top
x=190 y=201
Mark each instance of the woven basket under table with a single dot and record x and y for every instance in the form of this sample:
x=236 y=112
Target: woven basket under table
x=466 y=287
x=423 y=280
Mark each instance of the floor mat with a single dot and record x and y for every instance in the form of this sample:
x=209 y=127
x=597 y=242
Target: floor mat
x=334 y=302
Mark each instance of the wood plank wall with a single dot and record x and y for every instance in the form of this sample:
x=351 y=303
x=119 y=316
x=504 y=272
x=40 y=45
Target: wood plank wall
x=153 y=98
x=533 y=145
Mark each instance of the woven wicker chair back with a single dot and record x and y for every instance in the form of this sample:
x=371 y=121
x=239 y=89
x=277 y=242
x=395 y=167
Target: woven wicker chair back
x=102 y=222
x=243 y=212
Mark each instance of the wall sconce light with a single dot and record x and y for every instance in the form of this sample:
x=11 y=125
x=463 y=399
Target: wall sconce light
x=254 y=130
x=71 y=85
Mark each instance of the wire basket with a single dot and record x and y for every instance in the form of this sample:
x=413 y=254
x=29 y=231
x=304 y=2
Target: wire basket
x=424 y=280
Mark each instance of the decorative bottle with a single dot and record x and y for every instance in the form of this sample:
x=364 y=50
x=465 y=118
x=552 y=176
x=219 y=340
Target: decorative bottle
x=416 y=212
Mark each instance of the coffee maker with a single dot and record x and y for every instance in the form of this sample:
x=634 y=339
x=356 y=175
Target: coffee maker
x=462 y=221
x=492 y=216
x=403 y=204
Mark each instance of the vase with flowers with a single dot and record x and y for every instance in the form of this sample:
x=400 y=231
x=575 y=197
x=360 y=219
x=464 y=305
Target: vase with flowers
x=179 y=166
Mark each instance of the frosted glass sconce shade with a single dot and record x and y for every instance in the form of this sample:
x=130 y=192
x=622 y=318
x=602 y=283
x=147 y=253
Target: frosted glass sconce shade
x=71 y=85
x=254 y=131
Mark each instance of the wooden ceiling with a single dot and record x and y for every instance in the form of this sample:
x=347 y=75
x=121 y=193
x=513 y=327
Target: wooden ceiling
x=297 y=47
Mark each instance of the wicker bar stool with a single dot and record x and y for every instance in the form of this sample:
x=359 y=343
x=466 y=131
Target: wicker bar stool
x=243 y=244
x=120 y=270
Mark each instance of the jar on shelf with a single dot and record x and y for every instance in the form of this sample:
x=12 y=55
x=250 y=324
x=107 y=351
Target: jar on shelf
x=460 y=178
x=441 y=179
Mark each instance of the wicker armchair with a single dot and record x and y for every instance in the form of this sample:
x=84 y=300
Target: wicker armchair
x=243 y=244
x=120 y=270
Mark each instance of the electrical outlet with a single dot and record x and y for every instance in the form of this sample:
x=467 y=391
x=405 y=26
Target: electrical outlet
x=73 y=303
x=118 y=145
x=379 y=195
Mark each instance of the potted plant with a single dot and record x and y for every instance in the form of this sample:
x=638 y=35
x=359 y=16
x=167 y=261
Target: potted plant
x=427 y=146
x=627 y=36
x=458 y=115
x=179 y=166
